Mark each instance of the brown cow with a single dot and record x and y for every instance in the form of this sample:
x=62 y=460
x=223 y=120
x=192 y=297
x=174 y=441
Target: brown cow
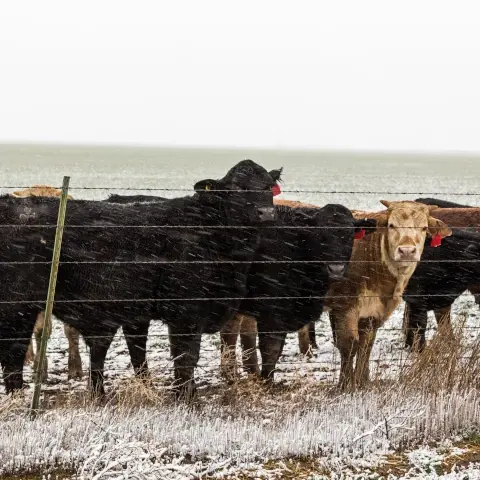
x=379 y=271
x=74 y=359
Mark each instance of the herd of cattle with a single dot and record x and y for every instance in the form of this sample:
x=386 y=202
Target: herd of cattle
x=231 y=259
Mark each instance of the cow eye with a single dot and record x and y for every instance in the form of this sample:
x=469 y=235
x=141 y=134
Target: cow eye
x=425 y=229
x=391 y=225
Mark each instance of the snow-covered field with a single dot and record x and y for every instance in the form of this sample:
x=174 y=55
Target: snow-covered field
x=388 y=356
x=340 y=433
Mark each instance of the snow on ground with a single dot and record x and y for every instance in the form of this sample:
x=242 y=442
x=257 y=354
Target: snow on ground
x=340 y=434
x=389 y=352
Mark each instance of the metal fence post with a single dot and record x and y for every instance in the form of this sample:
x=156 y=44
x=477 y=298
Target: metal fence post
x=50 y=297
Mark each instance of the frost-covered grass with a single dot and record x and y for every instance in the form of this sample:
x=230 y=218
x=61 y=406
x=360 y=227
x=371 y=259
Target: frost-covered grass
x=176 y=441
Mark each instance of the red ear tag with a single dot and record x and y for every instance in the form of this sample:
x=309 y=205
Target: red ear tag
x=360 y=234
x=276 y=190
x=436 y=240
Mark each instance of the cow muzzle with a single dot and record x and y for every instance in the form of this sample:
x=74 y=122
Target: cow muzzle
x=407 y=253
x=336 y=270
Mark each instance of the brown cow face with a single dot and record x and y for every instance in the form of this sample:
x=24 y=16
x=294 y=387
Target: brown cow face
x=407 y=225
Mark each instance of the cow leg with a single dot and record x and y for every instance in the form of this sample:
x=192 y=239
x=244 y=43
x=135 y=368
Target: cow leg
x=304 y=340
x=228 y=337
x=477 y=298
x=271 y=347
x=346 y=339
x=172 y=356
x=415 y=325
x=38 y=331
x=406 y=330
x=185 y=349
x=444 y=322
x=19 y=328
x=248 y=339
x=75 y=369
x=12 y=365
x=475 y=291
x=367 y=334
x=331 y=317
x=312 y=335
x=99 y=346
x=30 y=355
x=136 y=336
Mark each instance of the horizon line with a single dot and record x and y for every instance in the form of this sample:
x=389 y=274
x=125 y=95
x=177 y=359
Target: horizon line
x=270 y=148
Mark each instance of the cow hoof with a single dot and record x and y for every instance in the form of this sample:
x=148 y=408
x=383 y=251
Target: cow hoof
x=186 y=392
x=75 y=375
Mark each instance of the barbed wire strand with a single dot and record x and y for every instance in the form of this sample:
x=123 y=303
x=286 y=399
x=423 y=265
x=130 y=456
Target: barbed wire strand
x=334 y=362
x=191 y=190
x=474 y=228
x=167 y=335
x=222 y=299
x=220 y=262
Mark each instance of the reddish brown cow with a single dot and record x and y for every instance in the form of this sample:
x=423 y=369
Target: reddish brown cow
x=74 y=359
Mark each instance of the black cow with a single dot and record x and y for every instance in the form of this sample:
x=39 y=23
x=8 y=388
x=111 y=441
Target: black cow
x=116 y=198
x=187 y=287
x=309 y=247
x=441 y=276
x=441 y=203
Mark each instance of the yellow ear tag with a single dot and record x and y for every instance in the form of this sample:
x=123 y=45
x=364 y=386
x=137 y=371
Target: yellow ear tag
x=208 y=187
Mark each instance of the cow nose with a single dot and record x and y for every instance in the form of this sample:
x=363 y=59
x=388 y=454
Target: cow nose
x=266 y=214
x=336 y=270
x=407 y=251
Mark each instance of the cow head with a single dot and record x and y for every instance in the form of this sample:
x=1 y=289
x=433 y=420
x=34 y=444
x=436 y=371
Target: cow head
x=407 y=224
x=336 y=232
x=246 y=191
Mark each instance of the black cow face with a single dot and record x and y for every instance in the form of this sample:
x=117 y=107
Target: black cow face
x=246 y=191
x=336 y=234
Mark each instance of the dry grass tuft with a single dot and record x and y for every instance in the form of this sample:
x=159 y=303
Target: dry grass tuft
x=447 y=363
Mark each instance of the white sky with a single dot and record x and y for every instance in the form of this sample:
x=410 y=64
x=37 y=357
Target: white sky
x=328 y=74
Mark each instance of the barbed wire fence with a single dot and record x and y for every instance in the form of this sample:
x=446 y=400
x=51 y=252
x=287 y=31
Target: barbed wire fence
x=287 y=362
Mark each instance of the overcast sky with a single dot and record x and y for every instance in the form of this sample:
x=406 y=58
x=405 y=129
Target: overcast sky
x=314 y=74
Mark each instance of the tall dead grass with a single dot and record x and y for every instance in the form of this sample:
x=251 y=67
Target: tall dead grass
x=449 y=362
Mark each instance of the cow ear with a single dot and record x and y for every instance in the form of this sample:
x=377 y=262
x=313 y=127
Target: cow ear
x=364 y=227
x=276 y=174
x=438 y=228
x=207 y=184
x=385 y=203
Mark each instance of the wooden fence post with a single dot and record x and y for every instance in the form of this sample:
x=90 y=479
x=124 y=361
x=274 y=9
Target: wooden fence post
x=50 y=297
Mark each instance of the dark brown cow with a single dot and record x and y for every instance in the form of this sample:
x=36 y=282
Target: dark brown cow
x=73 y=337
